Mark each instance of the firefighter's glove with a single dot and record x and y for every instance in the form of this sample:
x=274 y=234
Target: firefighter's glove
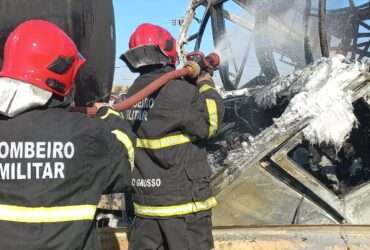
x=205 y=78
x=101 y=108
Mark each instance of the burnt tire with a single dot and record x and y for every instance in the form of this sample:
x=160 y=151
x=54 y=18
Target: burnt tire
x=90 y=23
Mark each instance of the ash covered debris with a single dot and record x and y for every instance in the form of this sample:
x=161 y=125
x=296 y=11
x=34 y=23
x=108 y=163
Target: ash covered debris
x=322 y=94
x=322 y=99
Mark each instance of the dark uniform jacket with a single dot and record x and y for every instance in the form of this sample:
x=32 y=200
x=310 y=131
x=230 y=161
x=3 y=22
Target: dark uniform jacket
x=171 y=175
x=54 y=165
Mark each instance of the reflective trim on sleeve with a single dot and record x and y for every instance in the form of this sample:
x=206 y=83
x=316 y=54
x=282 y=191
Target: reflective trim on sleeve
x=175 y=210
x=163 y=142
x=126 y=141
x=110 y=112
x=205 y=88
x=47 y=214
x=213 y=117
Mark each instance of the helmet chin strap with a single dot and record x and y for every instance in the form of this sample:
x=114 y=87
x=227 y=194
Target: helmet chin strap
x=17 y=97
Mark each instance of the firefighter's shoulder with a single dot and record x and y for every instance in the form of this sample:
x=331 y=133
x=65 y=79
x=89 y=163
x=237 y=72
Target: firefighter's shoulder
x=91 y=133
x=181 y=89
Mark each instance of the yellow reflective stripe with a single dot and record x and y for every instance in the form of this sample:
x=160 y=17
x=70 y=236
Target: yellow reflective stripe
x=175 y=210
x=47 y=214
x=110 y=112
x=164 y=142
x=205 y=88
x=213 y=116
x=126 y=141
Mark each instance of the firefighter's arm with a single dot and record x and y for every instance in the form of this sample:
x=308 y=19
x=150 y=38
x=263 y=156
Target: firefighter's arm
x=122 y=149
x=119 y=173
x=206 y=113
x=111 y=117
x=114 y=120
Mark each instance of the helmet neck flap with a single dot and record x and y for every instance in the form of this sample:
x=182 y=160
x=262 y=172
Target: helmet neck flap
x=17 y=97
x=143 y=56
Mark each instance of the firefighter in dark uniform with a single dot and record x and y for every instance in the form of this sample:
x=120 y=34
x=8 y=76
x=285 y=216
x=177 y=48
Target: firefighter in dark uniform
x=171 y=180
x=54 y=164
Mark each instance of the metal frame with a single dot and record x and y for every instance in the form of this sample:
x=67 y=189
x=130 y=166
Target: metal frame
x=248 y=186
x=231 y=73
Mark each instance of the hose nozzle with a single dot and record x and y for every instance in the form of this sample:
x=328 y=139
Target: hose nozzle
x=206 y=63
x=213 y=59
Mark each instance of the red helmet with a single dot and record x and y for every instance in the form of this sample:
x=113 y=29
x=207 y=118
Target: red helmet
x=40 y=53
x=150 y=34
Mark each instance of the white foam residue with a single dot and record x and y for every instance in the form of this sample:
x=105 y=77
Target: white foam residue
x=238 y=92
x=318 y=93
x=291 y=84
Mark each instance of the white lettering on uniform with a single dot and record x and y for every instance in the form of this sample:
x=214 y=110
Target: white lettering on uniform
x=4 y=171
x=47 y=174
x=49 y=150
x=40 y=150
x=37 y=166
x=29 y=176
x=4 y=150
x=69 y=150
x=151 y=103
x=29 y=150
x=20 y=176
x=16 y=150
x=140 y=110
x=36 y=170
x=33 y=166
x=158 y=182
x=58 y=150
x=12 y=171
x=146 y=183
x=59 y=170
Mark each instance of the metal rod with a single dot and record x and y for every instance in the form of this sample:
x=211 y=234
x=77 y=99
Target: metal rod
x=322 y=29
x=307 y=40
x=202 y=27
x=243 y=63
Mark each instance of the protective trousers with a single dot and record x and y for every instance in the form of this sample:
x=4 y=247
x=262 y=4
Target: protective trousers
x=189 y=232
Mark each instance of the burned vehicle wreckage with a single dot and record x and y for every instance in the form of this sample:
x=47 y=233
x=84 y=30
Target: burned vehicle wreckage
x=294 y=146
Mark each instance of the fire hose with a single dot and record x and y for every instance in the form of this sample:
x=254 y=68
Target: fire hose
x=197 y=62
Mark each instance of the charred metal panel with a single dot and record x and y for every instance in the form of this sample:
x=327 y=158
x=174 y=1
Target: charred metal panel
x=357 y=205
x=91 y=25
x=262 y=184
x=318 y=191
x=352 y=206
x=253 y=192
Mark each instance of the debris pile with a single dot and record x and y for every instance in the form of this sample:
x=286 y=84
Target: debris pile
x=319 y=100
x=321 y=93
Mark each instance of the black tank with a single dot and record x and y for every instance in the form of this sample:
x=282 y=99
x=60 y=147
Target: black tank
x=90 y=23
